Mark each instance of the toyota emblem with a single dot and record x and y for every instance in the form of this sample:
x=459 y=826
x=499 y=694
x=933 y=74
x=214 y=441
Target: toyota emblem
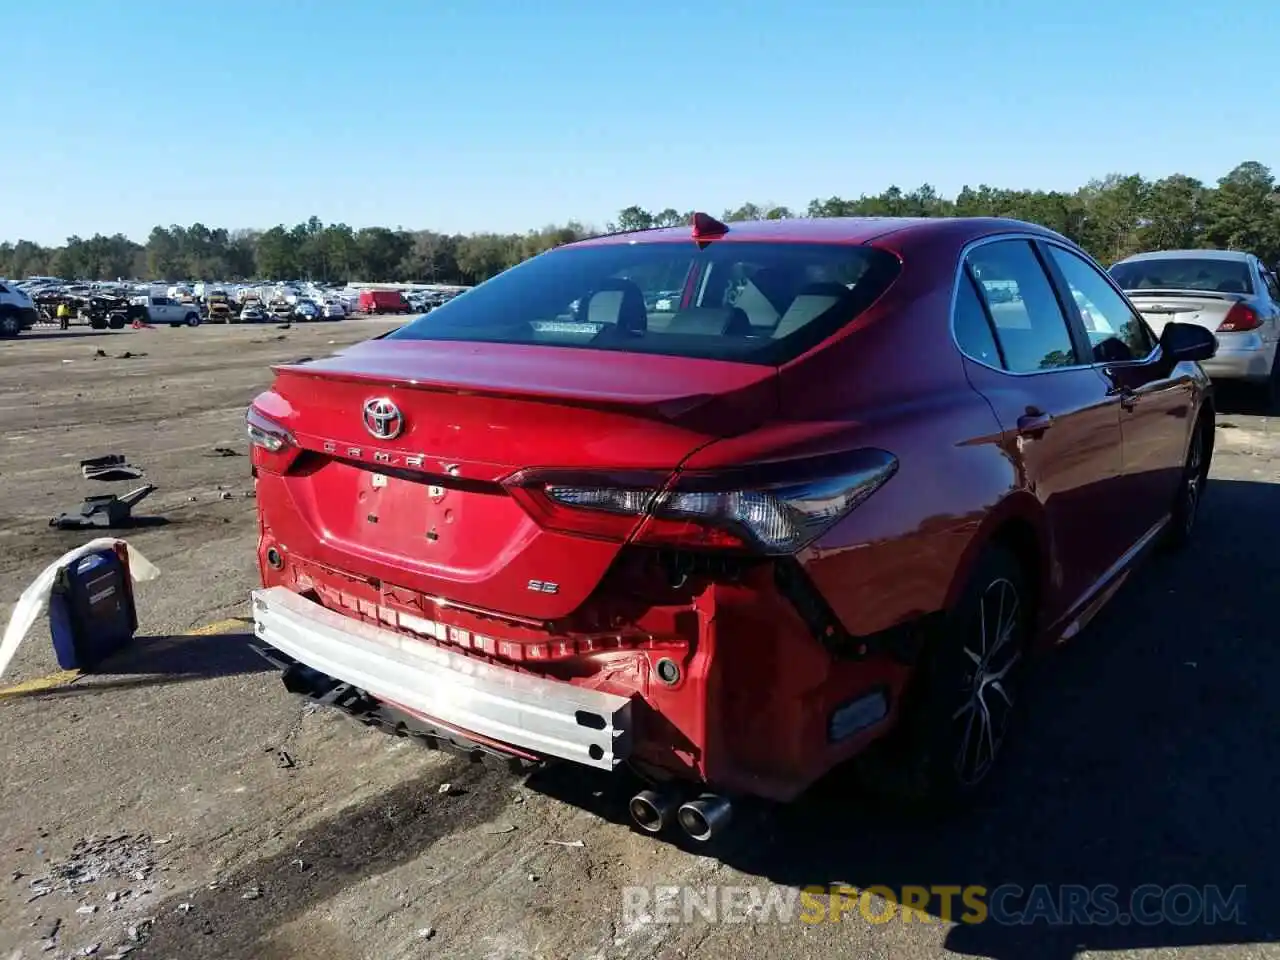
x=382 y=418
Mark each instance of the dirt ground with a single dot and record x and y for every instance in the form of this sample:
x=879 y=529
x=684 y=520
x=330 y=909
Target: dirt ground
x=182 y=805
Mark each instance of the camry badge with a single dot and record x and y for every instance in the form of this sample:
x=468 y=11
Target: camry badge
x=382 y=418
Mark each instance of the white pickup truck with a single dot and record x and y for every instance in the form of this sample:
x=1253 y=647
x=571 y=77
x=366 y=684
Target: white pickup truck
x=161 y=309
x=17 y=311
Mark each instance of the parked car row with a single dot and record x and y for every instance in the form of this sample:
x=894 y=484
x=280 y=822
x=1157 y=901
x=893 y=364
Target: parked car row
x=729 y=513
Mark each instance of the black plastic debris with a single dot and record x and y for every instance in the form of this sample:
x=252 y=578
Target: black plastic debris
x=111 y=467
x=108 y=511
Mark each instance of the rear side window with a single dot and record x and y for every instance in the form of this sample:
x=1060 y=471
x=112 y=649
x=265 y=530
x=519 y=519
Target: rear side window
x=1029 y=323
x=973 y=328
x=1210 y=274
x=753 y=302
x=1273 y=288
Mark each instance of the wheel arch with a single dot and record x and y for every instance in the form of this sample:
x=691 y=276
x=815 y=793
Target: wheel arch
x=1016 y=524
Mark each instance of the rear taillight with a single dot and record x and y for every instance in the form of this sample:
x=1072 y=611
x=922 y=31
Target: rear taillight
x=265 y=433
x=1239 y=319
x=775 y=508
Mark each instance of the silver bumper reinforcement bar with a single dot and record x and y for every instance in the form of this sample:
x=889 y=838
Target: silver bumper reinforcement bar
x=546 y=717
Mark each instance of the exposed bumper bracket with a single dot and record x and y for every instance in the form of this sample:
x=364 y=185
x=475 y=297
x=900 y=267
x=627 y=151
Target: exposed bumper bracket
x=534 y=715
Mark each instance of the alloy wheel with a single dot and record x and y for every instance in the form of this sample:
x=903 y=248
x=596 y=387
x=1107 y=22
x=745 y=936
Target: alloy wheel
x=988 y=689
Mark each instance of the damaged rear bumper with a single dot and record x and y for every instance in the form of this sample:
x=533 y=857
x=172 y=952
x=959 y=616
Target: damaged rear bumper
x=544 y=717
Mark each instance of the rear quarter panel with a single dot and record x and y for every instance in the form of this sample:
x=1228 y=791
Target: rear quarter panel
x=894 y=379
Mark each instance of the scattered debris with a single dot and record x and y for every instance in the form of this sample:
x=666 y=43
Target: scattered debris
x=113 y=466
x=114 y=895
x=225 y=495
x=283 y=326
x=506 y=828
x=90 y=950
x=446 y=788
x=299 y=863
x=284 y=761
x=426 y=933
x=534 y=878
x=184 y=907
x=109 y=511
x=93 y=859
x=566 y=843
x=160 y=841
x=99 y=353
x=251 y=893
x=87 y=908
x=129 y=356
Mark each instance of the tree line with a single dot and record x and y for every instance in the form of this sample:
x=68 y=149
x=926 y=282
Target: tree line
x=1111 y=218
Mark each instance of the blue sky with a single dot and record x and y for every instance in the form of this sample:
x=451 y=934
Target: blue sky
x=501 y=115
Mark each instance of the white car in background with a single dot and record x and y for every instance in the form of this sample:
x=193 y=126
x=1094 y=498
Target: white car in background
x=334 y=310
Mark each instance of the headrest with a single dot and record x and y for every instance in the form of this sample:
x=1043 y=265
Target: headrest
x=617 y=302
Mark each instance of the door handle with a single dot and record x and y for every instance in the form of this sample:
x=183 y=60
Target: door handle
x=1034 y=423
x=1128 y=398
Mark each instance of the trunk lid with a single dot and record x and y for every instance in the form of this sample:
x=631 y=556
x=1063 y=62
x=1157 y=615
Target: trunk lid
x=1204 y=308
x=425 y=510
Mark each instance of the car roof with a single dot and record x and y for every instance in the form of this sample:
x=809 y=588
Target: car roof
x=851 y=230
x=1236 y=255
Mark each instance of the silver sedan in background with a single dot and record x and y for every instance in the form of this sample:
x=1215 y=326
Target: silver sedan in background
x=1227 y=291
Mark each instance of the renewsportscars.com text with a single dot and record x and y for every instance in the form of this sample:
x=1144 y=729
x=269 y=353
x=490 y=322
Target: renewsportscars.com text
x=1008 y=904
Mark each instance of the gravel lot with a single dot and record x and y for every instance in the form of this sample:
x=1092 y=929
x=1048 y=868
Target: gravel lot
x=183 y=805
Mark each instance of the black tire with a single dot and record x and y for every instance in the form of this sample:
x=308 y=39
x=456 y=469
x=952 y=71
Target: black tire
x=116 y=323
x=1195 y=474
x=192 y=320
x=98 y=324
x=936 y=761
x=10 y=325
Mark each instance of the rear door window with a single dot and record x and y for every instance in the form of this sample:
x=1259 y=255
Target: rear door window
x=1115 y=331
x=730 y=300
x=1029 y=323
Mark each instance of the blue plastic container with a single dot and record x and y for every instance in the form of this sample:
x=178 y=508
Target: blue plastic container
x=91 y=610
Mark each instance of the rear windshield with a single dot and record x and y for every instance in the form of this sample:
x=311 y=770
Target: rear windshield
x=1184 y=273
x=753 y=302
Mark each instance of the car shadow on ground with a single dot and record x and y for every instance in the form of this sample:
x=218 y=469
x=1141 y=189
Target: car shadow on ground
x=1149 y=758
x=370 y=838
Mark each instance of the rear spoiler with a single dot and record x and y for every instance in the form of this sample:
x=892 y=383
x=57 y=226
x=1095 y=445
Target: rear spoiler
x=670 y=408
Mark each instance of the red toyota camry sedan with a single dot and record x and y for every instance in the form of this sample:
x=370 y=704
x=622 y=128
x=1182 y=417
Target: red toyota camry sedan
x=728 y=505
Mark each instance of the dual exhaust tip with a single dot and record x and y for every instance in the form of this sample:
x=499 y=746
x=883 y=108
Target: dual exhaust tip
x=702 y=819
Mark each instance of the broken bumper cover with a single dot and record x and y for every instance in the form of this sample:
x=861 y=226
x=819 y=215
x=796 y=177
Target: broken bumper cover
x=545 y=717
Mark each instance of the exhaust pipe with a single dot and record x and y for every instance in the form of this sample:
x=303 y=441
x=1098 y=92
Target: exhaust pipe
x=705 y=818
x=652 y=811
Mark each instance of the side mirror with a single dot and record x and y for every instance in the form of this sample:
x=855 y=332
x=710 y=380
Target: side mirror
x=1181 y=342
